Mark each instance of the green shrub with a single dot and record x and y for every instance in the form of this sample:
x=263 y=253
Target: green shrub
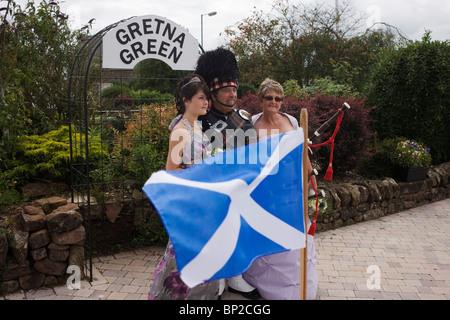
x=48 y=156
x=244 y=88
x=150 y=231
x=323 y=86
x=146 y=160
x=379 y=164
x=116 y=93
x=141 y=147
x=150 y=96
x=8 y=194
x=411 y=91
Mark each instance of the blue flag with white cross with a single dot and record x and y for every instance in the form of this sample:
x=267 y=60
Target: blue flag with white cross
x=233 y=207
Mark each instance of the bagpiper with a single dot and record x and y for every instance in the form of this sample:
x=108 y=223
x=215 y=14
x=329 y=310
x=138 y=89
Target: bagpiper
x=226 y=126
x=220 y=70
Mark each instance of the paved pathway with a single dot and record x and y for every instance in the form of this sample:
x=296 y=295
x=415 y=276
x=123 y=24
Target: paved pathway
x=403 y=256
x=410 y=251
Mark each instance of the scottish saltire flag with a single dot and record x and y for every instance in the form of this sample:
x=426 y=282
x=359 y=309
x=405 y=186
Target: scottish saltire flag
x=233 y=207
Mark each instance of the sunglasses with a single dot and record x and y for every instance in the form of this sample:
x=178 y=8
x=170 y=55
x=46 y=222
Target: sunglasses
x=270 y=98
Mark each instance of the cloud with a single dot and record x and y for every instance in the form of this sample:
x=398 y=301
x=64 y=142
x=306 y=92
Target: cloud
x=188 y=14
x=412 y=17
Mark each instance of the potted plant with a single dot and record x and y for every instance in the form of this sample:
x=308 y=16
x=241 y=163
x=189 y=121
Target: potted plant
x=412 y=160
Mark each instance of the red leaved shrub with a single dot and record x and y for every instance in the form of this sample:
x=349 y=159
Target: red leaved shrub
x=352 y=139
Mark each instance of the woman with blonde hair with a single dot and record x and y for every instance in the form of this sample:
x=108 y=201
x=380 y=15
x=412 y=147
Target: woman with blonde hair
x=277 y=276
x=271 y=120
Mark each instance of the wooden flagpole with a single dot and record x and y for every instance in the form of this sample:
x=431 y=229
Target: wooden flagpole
x=303 y=252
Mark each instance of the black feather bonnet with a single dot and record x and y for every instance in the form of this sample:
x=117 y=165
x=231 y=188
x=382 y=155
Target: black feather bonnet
x=219 y=69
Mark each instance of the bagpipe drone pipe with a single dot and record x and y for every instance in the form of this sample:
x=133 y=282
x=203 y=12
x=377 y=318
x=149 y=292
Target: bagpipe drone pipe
x=337 y=117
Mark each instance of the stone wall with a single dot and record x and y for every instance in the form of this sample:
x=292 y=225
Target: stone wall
x=349 y=203
x=117 y=221
x=46 y=237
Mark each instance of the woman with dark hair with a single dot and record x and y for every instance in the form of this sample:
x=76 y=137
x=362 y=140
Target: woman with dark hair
x=187 y=146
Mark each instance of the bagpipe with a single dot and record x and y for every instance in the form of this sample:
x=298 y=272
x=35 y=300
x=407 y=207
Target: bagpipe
x=338 y=117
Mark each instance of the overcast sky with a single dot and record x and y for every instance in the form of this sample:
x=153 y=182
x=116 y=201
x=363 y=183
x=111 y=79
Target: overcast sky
x=412 y=17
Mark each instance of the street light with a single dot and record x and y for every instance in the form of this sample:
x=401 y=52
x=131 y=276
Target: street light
x=213 y=13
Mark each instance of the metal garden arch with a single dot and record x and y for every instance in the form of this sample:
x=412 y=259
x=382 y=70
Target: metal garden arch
x=117 y=113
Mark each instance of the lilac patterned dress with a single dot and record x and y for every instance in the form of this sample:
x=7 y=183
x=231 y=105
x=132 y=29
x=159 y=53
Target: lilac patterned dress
x=197 y=147
x=166 y=283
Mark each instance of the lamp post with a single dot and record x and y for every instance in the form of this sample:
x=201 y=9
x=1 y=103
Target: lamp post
x=213 y=13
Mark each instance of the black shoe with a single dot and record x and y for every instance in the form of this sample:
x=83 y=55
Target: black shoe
x=252 y=295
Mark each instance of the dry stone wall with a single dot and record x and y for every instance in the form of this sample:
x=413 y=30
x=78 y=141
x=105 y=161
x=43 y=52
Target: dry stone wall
x=349 y=203
x=46 y=238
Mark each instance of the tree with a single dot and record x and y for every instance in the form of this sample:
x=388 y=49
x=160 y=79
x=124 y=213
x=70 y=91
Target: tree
x=36 y=51
x=37 y=48
x=411 y=89
x=157 y=75
x=305 y=43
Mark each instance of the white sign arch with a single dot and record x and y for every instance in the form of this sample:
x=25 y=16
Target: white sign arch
x=149 y=37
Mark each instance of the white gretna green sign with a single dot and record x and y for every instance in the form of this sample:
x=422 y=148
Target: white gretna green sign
x=149 y=37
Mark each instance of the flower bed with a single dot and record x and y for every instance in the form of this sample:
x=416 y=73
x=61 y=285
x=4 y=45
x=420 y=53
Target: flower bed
x=409 y=154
